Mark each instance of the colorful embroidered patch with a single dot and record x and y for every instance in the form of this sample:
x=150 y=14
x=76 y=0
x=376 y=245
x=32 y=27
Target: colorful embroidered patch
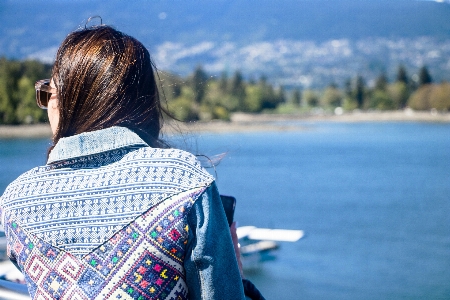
x=144 y=260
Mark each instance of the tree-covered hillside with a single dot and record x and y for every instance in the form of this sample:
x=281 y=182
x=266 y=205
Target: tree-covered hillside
x=201 y=96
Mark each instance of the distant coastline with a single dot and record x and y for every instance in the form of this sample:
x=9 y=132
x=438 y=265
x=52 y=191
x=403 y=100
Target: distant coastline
x=241 y=122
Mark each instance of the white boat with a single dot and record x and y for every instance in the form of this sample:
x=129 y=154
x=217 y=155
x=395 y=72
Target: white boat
x=266 y=234
x=11 y=282
x=258 y=244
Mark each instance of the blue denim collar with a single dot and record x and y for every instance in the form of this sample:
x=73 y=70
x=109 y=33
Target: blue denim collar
x=94 y=142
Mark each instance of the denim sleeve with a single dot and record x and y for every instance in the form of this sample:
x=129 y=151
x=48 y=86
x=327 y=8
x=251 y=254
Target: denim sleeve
x=211 y=267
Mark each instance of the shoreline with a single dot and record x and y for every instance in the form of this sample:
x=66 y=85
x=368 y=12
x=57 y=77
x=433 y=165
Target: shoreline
x=241 y=122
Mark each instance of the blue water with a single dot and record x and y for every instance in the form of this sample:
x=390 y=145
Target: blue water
x=372 y=198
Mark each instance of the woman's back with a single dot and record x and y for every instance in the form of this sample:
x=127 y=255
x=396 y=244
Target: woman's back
x=120 y=218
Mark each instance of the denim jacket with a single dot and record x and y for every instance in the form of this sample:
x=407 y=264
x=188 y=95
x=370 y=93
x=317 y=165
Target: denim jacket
x=109 y=217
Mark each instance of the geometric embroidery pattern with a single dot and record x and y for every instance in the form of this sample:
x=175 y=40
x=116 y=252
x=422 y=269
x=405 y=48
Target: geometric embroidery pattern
x=143 y=260
x=78 y=203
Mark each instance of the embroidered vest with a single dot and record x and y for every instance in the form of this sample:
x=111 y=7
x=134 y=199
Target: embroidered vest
x=111 y=225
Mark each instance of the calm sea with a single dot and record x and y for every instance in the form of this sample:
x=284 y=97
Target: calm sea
x=372 y=198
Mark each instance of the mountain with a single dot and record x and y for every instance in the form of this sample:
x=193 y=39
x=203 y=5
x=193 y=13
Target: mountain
x=295 y=42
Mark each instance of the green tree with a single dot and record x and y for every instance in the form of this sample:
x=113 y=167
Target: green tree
x=262 y=96
x=280 y=94
x=420 y=99
x=17 y=99
x=311 y=98
x=424 y=76
x=270 y=98
x=440 y=97
x=199 y=84
x=27 y=111
x=348 y=88
x=35 y=70
x=170 y=85
x=296 y=97
x=381 y=82
x=359 y=91
x=402 y=76
x=349 y=102
x=399 y=93
x=380 y=100
x=184 y=107
x=332 y=97
x=223 y=82
x=254 y=98
x=10 y=72
x=237 y=89
x=217 y=104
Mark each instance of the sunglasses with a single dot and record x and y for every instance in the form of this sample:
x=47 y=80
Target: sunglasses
x=43 y=92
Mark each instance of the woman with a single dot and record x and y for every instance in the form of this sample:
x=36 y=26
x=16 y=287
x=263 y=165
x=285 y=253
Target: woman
x=114 y=214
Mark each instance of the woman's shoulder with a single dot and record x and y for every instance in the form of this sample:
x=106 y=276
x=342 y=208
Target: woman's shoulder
x=167 y=156
x=23 y=179
x=179 y=166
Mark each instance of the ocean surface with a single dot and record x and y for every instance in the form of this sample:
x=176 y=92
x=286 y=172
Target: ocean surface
x=372 y=198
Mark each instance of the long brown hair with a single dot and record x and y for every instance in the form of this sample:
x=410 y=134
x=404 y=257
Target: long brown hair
x=106 y=78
